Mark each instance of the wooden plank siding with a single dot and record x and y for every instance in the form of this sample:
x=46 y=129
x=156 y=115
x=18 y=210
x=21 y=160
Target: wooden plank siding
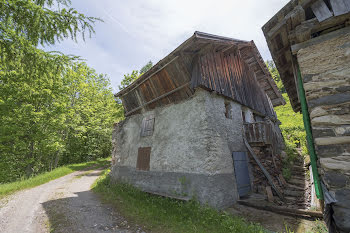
x=208 y=61
x=164 y=81
x=230 y=76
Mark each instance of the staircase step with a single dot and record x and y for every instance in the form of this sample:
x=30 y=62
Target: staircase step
x=299 y=176
x=293 y=193
x=299 y=168
x=296 y=187
x=296 y=181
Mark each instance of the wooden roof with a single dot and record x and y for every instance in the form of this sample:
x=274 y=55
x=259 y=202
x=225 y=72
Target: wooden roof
x=295 y=24
x=169 y=80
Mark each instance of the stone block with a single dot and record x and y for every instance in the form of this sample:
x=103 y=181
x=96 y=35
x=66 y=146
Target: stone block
x=323 y=132
x=332 y=140
x=332 y=99
x=341 y=209
x=318 y=111
x=343 y=130
x=331 y=120
x=340 y=163
x=335 y=180
x=332 y=150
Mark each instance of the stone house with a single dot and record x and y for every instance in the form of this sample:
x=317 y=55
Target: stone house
x=310 y=43
x=186 y=119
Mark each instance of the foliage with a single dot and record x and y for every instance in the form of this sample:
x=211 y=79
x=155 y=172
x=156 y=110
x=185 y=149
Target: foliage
x=51 y=120
x=292 y=126
x=159 y=214
x=9 y=188
x=53 y=109
x=146 y=67
x=128 y=79
x=275 y=75
x=135 y=74
x=42 y=21
x=294 y=134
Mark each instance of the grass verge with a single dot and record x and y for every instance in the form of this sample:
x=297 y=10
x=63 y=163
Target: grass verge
x=159 y=214
x=9 y=188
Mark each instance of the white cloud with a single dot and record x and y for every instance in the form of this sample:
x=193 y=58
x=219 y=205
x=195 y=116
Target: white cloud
x=137 y=31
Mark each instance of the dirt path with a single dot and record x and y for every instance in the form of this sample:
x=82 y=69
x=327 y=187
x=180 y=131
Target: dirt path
x=63 y=205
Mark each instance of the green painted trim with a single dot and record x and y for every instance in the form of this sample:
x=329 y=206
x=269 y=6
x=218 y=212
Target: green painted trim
x=309 y=138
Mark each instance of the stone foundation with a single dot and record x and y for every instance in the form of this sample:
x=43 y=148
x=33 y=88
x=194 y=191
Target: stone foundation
x=325 y=68
x=215 y=190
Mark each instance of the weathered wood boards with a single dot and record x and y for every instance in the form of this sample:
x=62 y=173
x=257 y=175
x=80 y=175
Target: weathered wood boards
x=279 y=193
x=321 y=10
x=166 y=82
x=230 y=76
x=340 y=6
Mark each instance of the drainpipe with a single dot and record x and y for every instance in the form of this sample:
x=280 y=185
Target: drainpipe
x=309 y=138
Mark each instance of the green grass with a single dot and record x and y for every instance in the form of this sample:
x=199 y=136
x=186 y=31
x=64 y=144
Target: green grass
x=160 y=214
x=294 y=134
x=9 y=188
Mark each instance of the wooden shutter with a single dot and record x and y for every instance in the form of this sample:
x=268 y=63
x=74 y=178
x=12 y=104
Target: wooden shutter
x=147 y=126
x=143 y=158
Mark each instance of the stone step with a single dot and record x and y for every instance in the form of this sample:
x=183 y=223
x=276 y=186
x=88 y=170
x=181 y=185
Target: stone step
x=297 y=177
x=299 y=168
x=300 y=174
x=296 y=187
x=293 y=193
x=297 y=182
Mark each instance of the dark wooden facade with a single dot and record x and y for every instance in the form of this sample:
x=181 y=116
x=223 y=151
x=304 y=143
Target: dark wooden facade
x=232 y=68
x=230 y=76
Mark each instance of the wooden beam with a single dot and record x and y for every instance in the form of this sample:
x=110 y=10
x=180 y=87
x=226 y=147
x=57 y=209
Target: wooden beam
x=126 y=90
x=266 y=173
x=158 y=98
x=295 y=48
x=282 y=210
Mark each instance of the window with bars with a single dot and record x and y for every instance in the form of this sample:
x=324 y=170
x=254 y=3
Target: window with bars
x=147 y=126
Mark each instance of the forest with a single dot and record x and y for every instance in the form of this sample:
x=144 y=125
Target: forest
x=54 y=109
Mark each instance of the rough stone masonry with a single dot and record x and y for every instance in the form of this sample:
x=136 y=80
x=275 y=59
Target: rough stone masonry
x=325 y=68
x=191 y=153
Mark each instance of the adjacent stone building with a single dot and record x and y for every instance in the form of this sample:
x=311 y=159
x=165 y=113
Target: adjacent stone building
x=310 y=44
x=186 y=119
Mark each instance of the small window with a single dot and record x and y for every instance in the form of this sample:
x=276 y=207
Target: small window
x=143 y=158
x=147 y=126
x=243 y=116
x=228 y=113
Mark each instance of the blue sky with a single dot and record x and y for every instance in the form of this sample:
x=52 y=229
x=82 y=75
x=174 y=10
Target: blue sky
x=136 y=31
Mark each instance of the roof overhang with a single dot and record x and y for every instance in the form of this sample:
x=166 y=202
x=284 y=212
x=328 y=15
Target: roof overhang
x=199 y=42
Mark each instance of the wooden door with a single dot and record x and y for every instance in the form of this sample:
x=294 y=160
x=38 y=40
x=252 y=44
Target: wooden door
x=241 y=172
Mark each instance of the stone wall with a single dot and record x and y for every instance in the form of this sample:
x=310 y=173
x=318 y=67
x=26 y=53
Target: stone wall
x=325 y=69
x=191 y=153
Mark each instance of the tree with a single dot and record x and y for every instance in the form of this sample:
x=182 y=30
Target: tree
x=53 y=109
x=275 y=75
x=135 y=74
x=128 y=79
x=146 y=67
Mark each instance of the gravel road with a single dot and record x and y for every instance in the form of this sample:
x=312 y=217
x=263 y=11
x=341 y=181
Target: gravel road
x=63 y=205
